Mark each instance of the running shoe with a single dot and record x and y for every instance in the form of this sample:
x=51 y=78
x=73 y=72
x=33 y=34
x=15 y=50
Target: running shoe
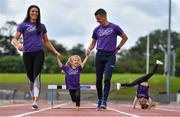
x=34 y=105
x=99 y=104
x=118 y=86
x=104 y=104
x=159 y=62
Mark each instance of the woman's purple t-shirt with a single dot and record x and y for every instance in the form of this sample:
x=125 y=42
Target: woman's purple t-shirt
x=31 y=40
x=142 y=91
x=72 y=76
x=106 y=36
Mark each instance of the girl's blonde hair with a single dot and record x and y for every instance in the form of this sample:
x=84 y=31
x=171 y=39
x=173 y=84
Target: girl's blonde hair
x=72 y=57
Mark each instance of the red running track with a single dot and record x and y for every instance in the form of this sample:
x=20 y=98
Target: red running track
x=87 y=109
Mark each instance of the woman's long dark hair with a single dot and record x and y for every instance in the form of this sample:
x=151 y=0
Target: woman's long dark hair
x=38 y=22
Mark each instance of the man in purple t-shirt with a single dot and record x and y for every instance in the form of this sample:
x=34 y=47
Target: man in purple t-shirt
x=105 y=35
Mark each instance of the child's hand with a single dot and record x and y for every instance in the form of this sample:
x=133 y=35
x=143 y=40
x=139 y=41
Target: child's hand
x=57 y=58
x=58 y=55
x=59 y=61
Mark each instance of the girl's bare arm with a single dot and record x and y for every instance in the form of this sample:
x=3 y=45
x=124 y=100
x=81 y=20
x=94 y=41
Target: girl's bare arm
x=135 y=102
x=84 y=61
x=59 y=62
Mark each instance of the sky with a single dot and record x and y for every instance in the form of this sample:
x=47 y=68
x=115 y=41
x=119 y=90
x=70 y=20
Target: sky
x=70 y=22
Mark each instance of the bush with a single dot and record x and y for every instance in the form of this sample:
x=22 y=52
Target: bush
x=11 y=64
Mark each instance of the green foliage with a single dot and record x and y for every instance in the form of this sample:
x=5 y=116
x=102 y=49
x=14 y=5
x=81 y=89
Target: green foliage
x=178 y=61
x=157 y=83
x=90 y=66
x=128 y=61
x=59 y=47
x=11 y=64
x=78 y=50
x=6 y=36
x=50 y=65
x=133 y=60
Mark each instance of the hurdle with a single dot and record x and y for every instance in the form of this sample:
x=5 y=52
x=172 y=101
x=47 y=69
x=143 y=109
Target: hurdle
x=53 y=88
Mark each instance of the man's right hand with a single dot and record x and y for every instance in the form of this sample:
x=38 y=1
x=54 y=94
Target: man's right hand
x=20 y=47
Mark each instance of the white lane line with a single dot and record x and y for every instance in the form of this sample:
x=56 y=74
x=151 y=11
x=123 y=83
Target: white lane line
x=115 y=110
x=118 y=111
x=28 y=113
x=13 y=105
x=162 y=108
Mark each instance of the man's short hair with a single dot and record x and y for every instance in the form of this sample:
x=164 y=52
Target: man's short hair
x=100 y=12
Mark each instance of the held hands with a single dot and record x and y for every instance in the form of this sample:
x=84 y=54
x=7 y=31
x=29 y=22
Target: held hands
x=58 y=58
x=58 y=55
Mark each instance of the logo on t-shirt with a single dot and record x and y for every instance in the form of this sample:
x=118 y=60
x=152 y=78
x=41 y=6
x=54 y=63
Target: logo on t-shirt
x=105 y=32
x=31 y=28
x=73 y=71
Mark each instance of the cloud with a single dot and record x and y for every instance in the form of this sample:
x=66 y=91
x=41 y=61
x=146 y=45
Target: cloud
x=74 y=21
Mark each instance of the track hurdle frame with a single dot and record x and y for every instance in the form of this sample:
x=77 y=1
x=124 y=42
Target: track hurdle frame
x=52 y=89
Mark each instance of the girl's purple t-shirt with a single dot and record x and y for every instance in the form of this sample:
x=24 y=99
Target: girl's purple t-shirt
x=143 y=91
x=31 y=40
x=106 y=36
x=72 y=76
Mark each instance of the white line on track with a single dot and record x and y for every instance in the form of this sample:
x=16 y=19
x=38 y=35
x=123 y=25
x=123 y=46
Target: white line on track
x=118 y=111
x=129 y=114
x=164 y=108
x=28 y=113
x=13 y=105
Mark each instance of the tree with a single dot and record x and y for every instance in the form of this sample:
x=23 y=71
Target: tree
x=59 y=47
x=6 y=35
x=78 y=50
x=158 y=47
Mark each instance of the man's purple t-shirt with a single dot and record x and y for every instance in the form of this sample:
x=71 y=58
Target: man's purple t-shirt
x=31 y=40
x=142 y=91
x=106 y=36
x=72 y=76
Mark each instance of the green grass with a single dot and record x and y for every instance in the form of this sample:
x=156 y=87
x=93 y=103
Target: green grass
x=157 y=82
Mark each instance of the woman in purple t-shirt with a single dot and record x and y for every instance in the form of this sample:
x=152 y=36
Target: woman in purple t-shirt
x=72 y=70
x=34 y=35
x=142 y=94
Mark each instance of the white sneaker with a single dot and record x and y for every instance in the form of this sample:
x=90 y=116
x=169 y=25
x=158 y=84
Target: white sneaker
x=159 y=62
x=34 y=105
x=118 y=86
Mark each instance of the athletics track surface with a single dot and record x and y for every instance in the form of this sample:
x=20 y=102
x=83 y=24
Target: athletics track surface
x=87 y=109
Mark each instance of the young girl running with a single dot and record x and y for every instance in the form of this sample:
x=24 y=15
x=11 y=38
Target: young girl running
x=72 y=70
x=142 y=94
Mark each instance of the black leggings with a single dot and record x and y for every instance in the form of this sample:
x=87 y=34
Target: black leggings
x=33 y=62
x=141 y=79
x=75 y=96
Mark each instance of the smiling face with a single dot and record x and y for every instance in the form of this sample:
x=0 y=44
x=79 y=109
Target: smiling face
x=142 y=100
x=34 y=14
x=74 y=61
x=143 y=103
